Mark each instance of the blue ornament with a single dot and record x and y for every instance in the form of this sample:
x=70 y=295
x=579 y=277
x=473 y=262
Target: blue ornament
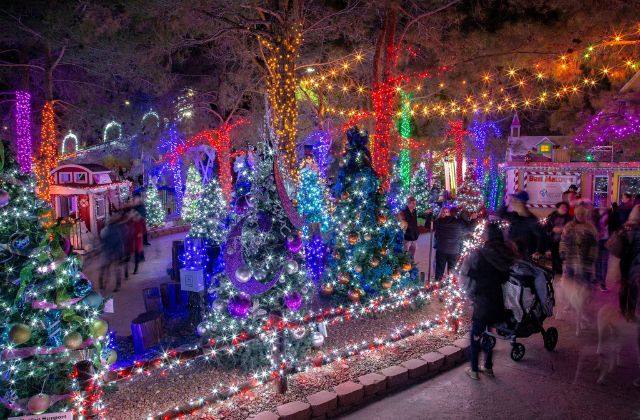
x=93 y=300
x=53 y=325
x=82 y=287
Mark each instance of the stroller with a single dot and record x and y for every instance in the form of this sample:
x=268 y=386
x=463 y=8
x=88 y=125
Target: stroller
x=528 y=301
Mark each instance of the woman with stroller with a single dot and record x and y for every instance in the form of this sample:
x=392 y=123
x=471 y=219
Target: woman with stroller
x=487 y=269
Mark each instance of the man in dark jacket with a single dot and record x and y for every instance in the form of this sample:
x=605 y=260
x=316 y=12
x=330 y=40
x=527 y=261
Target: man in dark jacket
x=449 y=232
x=488 y=269
x=411 y=234
x=553 y=231
x=523 y=226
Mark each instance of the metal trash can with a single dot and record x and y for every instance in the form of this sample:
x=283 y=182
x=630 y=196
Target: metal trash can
x=146 y=330
x=152 y=299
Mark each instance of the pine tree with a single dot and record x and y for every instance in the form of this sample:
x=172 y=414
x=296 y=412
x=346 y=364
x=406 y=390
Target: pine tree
x=191 y=203
x=155 y=212
x=367 y=256
x=420 y=189
x=469 y=197
x=264 y=270
x=212 y=211
x=398 y=194
x=312 y=196
x=48 y=310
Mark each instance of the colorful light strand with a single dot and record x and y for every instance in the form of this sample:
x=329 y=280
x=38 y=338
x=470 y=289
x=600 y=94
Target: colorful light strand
x=48 y=153
x=457 y=131
x=607 y=127
x=321 y=141
x=480 y=131
x=23 y=130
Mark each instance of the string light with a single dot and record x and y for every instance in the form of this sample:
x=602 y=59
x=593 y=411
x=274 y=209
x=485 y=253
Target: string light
x=151 y=114
x=109 y=126
x=48 y=153
x=457 y=131
x=23 y=130
x=74 y=138
x=607 y=127
x=480 y=131
x=404 y=129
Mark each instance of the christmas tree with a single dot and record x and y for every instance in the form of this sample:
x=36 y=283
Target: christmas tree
x=155 y=212
x=212 y=209
x=367 y=255
x=53 y=340
x=398 y=194
x=312 y=205
x=265 y=270
x=420 y=189
x=191 y=203
x=244 y=168
x=469 y=198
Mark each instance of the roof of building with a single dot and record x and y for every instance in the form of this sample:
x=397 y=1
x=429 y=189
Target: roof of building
x=516 y=121
x=91 y=167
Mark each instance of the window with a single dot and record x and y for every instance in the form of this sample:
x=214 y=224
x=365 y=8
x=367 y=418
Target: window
x=101 y=208
x=629 y=184
x=545 y=148
x=64 y=178
x=80 y=177
x=600 y=190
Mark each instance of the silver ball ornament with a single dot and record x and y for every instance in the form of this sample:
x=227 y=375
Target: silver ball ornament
x=202 y=329
x=243 y=274
x=260 y=274
x=291 y=267
x=317 y=339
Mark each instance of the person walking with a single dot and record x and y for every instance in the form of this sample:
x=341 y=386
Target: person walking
x=411 y=234
x=449 y=230
x=553 y=229
x=579 y=247
x=137 y=235
x=601 y=222
x=111 y=253
x=487 y=269
x=523 y=226
x=625 y=207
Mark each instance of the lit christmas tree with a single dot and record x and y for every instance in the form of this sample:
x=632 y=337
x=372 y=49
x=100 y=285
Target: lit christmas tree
x=192 y=208
x=49 y=312
x=469 y=198
x=155 y=212
x=244 y=168
x=420 y=189
x=264 y=272
x=213 y=210
x=312 y=205
x=398 y=194
x=367 y=256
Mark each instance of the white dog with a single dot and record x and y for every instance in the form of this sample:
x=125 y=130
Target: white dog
x=573 y=295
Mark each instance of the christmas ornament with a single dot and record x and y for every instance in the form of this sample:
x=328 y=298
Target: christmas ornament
x=367 y=236
x=299 y=333
x=201 y=329
x=93 y=300
x=358 y=268
x=374 y=262
x=38 y=403
x=354 y=295
x=19 y=244
x=294 y=243
x=260 y=274
x=295 y=202
x=243 y=274
x=317 y=339
x=82 y=287
x=384 y=251
x=382 y=219
x=73 y=340
x=336 y=255
x=343 y=278
x=353 y=238
x=291 y=267
x=20 y=333
x=242 y=204
x=386 y=284
x=406 y=266
x=99 y=328
x=239 y=305
x=327 y=289
x=293 y=301
x=344 y=195
x=396 y=275
x=110 y=358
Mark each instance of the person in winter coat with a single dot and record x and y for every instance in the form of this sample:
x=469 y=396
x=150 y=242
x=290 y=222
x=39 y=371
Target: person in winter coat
x=601 y=222
x=411 y=234
x=553 y=230
x=625 y=207
x=579 y=247
x=488 y=269
x=137 y=246
x=523 y=225
x=449 y=232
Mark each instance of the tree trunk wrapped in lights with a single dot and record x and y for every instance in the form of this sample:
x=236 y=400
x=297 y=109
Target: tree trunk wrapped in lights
x=367 y=256
x=49 y=312
x=48 y=154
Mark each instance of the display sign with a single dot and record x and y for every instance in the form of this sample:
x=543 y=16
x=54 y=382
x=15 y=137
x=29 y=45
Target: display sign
x=47 y=416
x=545 y=188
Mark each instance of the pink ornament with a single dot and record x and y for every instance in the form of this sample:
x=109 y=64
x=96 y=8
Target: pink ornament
x=293 y=301
x=239 y=305
x=294 y=244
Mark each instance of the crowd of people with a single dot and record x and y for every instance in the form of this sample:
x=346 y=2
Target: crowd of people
x=574 y=241
x=122 y=242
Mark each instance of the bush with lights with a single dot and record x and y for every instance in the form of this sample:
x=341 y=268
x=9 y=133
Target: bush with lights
x=192 y=208
x=367 y=257
x=420 y=189
x=469 y=197
x=155 y=212
x=264 y=274
x=50 y=314
x=212 y=206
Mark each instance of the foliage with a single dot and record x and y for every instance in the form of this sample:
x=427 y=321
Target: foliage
x=155 y=211
x=469 y=196
x=192 y=208
x=213 y=210
x=420 y=189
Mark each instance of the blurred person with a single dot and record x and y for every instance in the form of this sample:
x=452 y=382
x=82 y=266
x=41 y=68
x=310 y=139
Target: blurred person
x=624 y=210
x=571 y=196
x=486 y=270
x=141 y=208
x=553 y=229
x=601 y=222
x=112 y=253
x=614 y=219
x=579 y=247
x=411 y=234
x=449 y=232
x=137 y=227
x=523 y=225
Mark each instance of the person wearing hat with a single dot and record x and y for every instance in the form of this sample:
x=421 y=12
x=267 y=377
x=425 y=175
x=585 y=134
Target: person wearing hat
x=571 y=196
x=553 y=230
x=523 y=226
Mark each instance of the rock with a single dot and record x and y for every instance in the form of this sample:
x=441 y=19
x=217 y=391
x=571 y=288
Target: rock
x=322 y=403
x=417 y=368
x=374 y=383
x=349 y=393
x=396 y=375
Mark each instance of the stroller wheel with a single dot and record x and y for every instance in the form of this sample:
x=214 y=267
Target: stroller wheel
x=488 y=341
x=517 y=352
x=550 y=338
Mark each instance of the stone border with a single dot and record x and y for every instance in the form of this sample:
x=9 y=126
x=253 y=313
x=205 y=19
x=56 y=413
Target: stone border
x=349 y=396
x=164 y=231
